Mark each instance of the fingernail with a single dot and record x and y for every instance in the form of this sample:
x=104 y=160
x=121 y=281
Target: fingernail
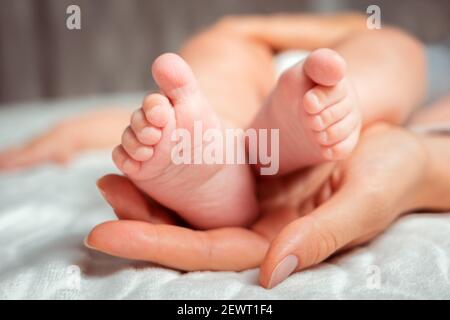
x=284 y=268
x=86 y=244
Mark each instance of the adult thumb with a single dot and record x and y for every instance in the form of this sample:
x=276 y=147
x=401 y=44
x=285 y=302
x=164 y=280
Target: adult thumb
x=309 y=240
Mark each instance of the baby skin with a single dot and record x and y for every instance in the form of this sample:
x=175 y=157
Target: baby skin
x=205 y=195
x=316 y=110
x=313 y=105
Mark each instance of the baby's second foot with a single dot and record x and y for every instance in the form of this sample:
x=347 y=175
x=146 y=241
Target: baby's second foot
x=205 y=195
x=316 y=110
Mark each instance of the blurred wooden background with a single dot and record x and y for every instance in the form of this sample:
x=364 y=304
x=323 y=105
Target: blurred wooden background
x=41 y=58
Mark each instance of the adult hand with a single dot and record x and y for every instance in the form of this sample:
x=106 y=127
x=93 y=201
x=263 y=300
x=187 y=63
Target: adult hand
x=95 y=130
x=305 y=218
x=146 y=231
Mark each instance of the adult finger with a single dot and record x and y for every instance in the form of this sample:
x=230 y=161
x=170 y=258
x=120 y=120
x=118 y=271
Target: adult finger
x=232 y=249
x=36 y=152
x=129 y=203
x=363 y=206
x=309 y=240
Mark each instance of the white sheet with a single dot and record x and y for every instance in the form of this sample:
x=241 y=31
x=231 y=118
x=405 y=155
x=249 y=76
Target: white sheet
x=46 y=212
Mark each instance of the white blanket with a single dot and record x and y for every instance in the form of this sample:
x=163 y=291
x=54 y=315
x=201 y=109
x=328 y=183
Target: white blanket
x=46 y=212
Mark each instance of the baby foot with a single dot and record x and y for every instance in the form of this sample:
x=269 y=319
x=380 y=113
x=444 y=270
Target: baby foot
x=316 y=110
x=205 y=195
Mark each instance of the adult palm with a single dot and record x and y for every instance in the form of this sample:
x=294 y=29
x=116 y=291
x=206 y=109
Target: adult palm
x=305 y=217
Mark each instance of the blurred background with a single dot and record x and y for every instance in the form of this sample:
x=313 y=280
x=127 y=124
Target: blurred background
x=40 y=58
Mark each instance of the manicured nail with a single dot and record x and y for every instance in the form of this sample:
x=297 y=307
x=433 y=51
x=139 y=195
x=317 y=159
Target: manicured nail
x=86 y=244
x=284 y=268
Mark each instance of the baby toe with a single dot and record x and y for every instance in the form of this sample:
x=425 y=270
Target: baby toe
x=330 y=115
x=134 y=148
x=124 y=162
x=158 y=115
x=144 y=131
x=150 y=135
x=157 y=109
x=325 y=66
x=339 y=131
x=342 y=149
x=320 y=97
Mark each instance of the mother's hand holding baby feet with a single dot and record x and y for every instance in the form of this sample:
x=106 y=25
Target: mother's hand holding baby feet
x=366 y=194
x=325 y=210
x=148 y=232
